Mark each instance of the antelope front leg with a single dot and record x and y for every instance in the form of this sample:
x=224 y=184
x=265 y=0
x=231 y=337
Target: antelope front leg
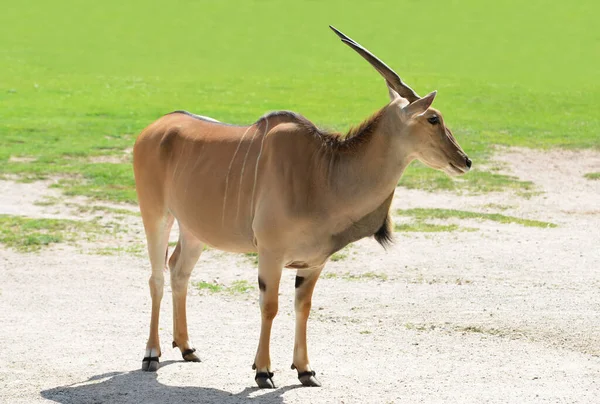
x=269 y=275
x=305 y=284
x=157 y=235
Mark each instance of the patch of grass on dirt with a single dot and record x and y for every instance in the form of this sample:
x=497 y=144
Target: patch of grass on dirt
x=423 y=214
x=137 y=250
x=420 y=279
x=374 y=276
x=252 y=257
x=592 y=176
x=424 y=227
x=498 y=206
x=469 y=329
x=238 y=287
x=476 y=181
x=480 y=330
x=419 y=327
x=209 y=286
x=48 y=201
x=341 y=254
x=27 y=234
x=101 y=208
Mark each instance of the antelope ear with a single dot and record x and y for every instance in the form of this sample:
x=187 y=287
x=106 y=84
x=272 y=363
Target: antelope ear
x=420 y=105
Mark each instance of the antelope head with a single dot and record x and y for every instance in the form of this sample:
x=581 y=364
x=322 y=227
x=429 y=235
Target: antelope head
x=419 y=127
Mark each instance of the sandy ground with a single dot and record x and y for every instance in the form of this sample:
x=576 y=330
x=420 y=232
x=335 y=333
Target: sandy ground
x=506 y=314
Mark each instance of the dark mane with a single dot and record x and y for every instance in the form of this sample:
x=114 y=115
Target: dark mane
x=334 y=141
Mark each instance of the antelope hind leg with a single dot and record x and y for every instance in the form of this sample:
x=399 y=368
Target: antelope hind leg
x=157 y=235
x=182 y=263
x=305 y=285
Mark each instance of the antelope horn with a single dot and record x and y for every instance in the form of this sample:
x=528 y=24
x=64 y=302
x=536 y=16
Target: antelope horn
x=388 y=74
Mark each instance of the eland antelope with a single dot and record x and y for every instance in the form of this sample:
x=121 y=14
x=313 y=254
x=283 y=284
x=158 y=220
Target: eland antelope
x=280 y=187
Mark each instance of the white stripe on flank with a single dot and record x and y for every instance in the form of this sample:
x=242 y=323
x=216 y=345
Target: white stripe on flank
x=177 y=165
x=229 y=171
x=187 y=160
x=257 y=160
x=237 y=213
x=198 y=158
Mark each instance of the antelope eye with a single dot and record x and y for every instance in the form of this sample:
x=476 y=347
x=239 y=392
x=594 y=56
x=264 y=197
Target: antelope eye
x=434 y=120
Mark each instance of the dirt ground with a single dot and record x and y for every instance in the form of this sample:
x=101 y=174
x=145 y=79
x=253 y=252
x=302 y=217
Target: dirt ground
x=505 y=314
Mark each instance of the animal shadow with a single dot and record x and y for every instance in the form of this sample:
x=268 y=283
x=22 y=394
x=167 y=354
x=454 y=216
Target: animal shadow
x=143 y=387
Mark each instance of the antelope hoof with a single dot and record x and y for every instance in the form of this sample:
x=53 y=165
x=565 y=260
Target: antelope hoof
x=309 y=379
x=150 y=364
x=189 y=355
x=264 y=380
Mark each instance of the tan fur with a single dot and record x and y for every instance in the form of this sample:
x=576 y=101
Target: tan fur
x=280 y=187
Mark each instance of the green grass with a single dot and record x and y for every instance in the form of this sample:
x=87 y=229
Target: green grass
x=92 y=209
x=419 y=327
x=338 y=256
x=592 y=176
x=341 y=255
x=27 y=234
x=482 y=330
x=420 y=280
x=48 y=201
x=419 y=176
x=79 y=82
x=374 y=276
x=240 y=287
x=236 y=288
x=423 y=214
x=253 y=257
x=471 y=329
x=211 y=287
x=424 y=227
x=498 y=206
x=136 y=250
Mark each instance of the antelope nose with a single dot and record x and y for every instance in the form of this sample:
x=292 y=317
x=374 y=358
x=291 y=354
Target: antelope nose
x=468 y=162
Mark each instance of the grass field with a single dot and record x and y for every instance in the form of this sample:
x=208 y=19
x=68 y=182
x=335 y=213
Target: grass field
x=81 y=80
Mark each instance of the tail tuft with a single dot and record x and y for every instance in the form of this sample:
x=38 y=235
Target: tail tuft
x=384 y=235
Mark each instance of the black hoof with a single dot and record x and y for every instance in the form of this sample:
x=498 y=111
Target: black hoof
x=189 y=355
x=150 y=364
x=264 y=380
x=309 y=379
